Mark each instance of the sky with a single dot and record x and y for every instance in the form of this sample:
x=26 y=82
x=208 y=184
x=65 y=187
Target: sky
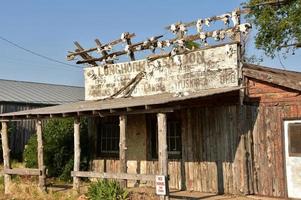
x=49 y=27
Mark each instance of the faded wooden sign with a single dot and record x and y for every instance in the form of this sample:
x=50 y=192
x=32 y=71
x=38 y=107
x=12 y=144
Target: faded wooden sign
x=199 y=70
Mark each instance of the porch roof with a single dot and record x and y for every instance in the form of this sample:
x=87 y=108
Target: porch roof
x=106 y=107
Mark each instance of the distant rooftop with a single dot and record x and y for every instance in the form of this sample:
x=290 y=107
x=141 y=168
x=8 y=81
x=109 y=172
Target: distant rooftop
x=39 y=93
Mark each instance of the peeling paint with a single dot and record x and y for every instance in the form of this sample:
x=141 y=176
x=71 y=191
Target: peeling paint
x=199 y=70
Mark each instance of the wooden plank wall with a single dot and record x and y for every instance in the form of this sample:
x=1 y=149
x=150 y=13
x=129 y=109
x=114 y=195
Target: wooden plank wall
x=233 y=149
x=214 y=150
x=274 y=105
x=22 y=130
x=212 y=156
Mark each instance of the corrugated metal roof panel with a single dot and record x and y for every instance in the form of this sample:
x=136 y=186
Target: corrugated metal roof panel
x=39 y=93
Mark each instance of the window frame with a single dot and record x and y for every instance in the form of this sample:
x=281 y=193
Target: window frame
x=290 y=153
x=152 y=132
x=102 y=127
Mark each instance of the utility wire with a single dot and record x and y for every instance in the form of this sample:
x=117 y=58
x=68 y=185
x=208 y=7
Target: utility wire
x=280 y=61
x=38 y=54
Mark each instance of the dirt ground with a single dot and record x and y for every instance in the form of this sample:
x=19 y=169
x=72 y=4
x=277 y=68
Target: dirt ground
x=29 y=191
x=148 y=193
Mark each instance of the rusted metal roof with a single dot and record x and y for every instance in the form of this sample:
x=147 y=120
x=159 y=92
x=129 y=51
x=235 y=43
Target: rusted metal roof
x=284 y=78
x=110 y=104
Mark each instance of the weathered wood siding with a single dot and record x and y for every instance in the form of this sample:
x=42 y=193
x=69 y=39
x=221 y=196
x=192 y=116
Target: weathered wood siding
x=230 y=148
x=274 y=105
x=214 y=150
x=21 y=130
x=212 y=157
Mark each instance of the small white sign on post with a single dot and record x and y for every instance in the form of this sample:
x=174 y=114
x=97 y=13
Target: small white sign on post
x=161 y=185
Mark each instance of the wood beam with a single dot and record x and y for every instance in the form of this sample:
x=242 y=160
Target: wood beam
x=148 y=107
x=122 y=147
x=42 y=176
x=6 y=157
x=162 y=149
x=84 y=113
x=23 y=172
x=77 y=150
x=72 y=54
x=103 y=52
x=69 y=114
x=132 y=48
x=56 y=115
x=129 y=42
x=118 y=176
x=99 y=113
x=84 y=55
x=212 y=18
x=113 y=111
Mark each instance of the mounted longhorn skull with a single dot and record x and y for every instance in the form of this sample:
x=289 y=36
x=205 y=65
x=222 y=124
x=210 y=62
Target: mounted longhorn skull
x=222 y=34
x=226 y=18
x=124 y=36
x=244 y=28
x=203 y=37
x=108 y=48
x=173 y=28
x=235 y=18
x=208 y=21
x=182 y=28
x=216 y=35
x=199 y=25
x=127 y=49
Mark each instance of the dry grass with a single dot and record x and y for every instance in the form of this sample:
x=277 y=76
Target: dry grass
x=27 y=190
x=143 y=193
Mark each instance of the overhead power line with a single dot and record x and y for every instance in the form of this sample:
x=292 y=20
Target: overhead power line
x=38 y=54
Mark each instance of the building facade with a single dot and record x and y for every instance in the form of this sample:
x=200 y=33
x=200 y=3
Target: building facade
x=209 y=123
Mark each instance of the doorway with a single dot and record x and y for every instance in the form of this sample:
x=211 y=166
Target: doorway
x=292 y=136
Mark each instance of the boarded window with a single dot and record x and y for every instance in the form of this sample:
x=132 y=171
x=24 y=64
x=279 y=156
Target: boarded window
x=294 y=133
x=174 y=146
x=108 y=137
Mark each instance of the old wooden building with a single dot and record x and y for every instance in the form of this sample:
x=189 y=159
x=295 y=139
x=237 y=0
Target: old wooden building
x=199 y=117
x=22 y=95
x=224 y=134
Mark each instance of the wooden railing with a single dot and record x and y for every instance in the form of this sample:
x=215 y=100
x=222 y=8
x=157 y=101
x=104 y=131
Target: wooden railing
x=118 y=176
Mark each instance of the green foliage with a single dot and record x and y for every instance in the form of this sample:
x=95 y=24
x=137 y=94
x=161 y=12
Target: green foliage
x=192 y=45
x=109 y=190
x=30 y=152
x=253 y=59
x=278 y=25
x=58 y=148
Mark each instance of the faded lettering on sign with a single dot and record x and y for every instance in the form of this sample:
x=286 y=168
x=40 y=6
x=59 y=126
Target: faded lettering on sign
x=192 y=72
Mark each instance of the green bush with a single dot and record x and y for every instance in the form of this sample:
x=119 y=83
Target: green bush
x=30 y=152
x=58 y=148
x=109 y=190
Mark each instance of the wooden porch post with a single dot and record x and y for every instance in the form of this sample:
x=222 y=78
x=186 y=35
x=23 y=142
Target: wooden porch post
x=42 y=176
x=6 y=152
x=122 y=147
x=162 y=151
x=76 y=152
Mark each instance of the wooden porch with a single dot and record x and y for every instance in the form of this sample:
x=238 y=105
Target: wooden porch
x=158 y=104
